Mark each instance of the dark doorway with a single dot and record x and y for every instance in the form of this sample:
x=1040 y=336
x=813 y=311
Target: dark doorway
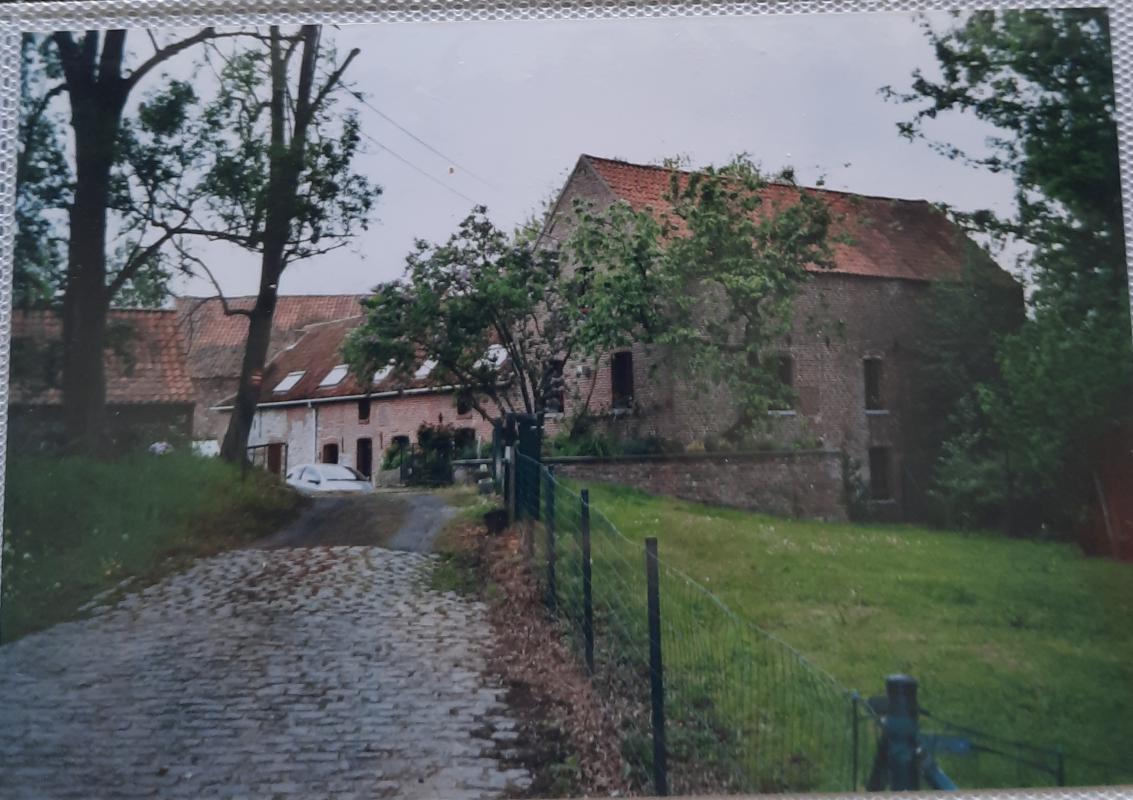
x=364 y=457
x=330 y=453
x=275 y=458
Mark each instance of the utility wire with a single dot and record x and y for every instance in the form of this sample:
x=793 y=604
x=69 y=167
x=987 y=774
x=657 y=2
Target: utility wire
x=419 y=140
x=416 y=168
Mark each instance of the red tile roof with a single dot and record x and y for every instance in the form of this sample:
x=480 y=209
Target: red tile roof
x=887 y=237
x=149 y=367
x=216 y=341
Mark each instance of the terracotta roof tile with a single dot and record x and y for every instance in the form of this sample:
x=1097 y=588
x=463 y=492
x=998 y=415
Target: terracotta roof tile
x=149 y=367
x=887 y=237
x=216 y=341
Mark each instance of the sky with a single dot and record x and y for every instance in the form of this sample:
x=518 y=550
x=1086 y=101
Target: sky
x=511 y=106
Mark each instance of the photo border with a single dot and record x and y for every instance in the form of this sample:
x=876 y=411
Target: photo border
x=18 y=18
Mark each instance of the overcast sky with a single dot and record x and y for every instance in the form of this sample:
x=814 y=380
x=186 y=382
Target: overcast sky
x=513 y=104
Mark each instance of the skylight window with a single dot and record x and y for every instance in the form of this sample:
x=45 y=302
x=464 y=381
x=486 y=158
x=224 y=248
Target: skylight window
x=383 y=373
x=493 y=357
x=334 y=377
x=288 y=383
x=425 y=368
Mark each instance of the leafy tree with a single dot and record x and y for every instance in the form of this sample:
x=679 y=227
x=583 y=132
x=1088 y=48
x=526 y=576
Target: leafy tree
x=458 y=299
x=98 y=83
x=1044 y=78
x=278 y=180
x=711 y=277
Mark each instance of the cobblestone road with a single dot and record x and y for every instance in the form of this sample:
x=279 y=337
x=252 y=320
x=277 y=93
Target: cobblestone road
x=305 y=672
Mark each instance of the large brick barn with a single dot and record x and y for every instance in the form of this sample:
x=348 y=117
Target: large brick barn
x=853 y=350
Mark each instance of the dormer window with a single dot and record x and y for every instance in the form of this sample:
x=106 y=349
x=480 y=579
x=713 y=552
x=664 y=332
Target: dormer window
x=334 y=377
x=288 y=383
x=426 y=367
x=493 y=356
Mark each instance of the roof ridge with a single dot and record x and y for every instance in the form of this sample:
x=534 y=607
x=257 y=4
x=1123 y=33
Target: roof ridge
x=825 y=189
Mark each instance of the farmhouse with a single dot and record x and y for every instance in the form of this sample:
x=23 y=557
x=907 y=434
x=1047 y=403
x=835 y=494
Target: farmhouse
x=312 y=409
x=851 y=357
x=148 y=390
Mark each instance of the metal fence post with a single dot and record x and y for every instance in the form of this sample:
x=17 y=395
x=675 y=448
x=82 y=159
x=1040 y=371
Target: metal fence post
x=656 y=671
x=901 y=731
x=512 y=499
x=549 y=526
x=587 y=585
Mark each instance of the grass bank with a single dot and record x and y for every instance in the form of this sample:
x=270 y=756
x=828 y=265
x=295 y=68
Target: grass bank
x=76 y=527
x=1023 y=640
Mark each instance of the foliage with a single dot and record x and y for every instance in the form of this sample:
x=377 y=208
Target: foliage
x=711 y=278
x=456 y=300
x=1045 y=79
x=77 y=526
x=433 y=466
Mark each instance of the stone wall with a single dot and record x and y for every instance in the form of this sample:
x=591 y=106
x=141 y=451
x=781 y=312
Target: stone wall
x=803 y=483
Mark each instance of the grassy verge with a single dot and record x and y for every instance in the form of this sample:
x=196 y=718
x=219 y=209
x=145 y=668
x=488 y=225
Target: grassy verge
x=1024 y=640
x=77 y=527
x=457 y=569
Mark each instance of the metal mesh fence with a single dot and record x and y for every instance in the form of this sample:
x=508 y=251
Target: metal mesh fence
x=744 y=712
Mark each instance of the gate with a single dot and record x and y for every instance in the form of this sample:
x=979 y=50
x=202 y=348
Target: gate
x=525 y=433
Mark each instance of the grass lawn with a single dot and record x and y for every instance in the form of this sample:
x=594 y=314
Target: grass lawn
x=1024 y=640
x=75 y=527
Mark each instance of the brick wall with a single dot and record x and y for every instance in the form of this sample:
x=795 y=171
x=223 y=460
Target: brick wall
x=306 y=430
x=806 y=484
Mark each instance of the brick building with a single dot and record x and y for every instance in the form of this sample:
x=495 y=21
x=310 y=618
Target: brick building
x=852 y=353
x=214 y=344
x=149 y=394
x=311 y=409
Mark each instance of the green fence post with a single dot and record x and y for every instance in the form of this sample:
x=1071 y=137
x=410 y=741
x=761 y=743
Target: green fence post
x=549 y=526
x=901 y=731
x=656 y=671
x=587 y=585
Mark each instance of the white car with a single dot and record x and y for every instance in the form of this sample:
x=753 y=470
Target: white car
x=320 y=478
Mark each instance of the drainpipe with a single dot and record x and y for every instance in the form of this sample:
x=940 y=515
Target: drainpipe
x=315 y=433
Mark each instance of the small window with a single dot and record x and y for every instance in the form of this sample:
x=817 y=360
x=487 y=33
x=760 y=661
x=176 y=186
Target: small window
x=463 y=404
x=879 y=477
x=288 y=383
x=553 y=395
x=364 y=410
x=330 y=453
x=334 y=377
x=621 y=377
x=873 y=397
x=493 y=357
x=785 y=371
x=426 y=367
x=383 y=373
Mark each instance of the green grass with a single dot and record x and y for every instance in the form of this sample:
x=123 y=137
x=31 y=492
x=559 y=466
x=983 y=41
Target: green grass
x=75 y=527
x=1024 y=640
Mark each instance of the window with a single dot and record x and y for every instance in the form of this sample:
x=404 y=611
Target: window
x=334 y=377
x=553 y=394
x=493 y=357
x=784 y=367
x=330 y=453
x=383 y=373
x=425 y=368
x=873 y=398
x=879 y=487
x=364 y=410
x=288 y=383
x=621 y=378
x=463 y=404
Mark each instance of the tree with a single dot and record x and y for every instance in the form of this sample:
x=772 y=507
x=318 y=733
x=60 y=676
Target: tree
x=711 y=278
x=279 y=180
x=98 y=86
x=457 y=300
x=1045 y=79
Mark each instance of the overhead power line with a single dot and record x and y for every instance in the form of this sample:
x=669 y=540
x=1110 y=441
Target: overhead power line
x=416 y=168
x=419 y=140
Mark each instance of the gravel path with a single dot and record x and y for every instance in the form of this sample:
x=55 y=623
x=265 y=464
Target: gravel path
x=292 y=672
x=425 y=515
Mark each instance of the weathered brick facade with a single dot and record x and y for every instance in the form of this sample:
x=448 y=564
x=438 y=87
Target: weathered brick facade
x=870 y=306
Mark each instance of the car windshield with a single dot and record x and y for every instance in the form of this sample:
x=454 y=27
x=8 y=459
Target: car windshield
x=338 y=472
